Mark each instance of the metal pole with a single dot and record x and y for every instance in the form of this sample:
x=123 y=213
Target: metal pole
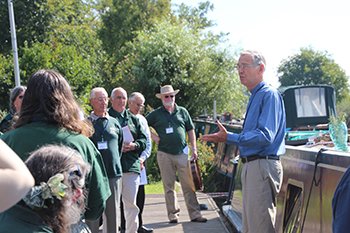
x=214 y=115
x=234 y=161
x=14 y=43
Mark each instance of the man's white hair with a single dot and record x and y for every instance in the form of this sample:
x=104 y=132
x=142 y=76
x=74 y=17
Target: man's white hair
x=94 y=90
x=257 y=57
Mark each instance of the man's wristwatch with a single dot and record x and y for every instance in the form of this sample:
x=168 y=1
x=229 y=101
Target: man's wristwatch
x=194 y=148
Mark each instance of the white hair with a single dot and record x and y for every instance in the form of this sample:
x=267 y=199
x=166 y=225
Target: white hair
x=92 y=92
x=257 y=57
x=135 y=95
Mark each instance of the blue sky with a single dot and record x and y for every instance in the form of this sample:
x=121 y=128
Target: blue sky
x=279 y=28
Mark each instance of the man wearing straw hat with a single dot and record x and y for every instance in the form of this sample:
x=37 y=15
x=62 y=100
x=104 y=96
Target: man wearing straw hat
x=171 y=123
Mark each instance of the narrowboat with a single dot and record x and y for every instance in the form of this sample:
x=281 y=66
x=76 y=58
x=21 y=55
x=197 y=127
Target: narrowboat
x=311 y=172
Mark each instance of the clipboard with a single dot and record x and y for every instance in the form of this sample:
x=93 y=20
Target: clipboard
x=127 y=134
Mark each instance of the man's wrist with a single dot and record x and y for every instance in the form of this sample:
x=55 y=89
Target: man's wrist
x=194 y=148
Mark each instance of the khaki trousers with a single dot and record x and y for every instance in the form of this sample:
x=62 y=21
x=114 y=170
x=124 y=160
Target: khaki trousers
x=170 y=164
x=261 y=182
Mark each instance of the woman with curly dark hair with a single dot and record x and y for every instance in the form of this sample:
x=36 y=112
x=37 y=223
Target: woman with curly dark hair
x=57 y=201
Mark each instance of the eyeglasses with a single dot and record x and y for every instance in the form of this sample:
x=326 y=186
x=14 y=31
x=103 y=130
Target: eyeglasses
x=244 y=67
x=138 y=105
x=20 y=97
x=119 y=97
x=167 y=96
x=101 y=99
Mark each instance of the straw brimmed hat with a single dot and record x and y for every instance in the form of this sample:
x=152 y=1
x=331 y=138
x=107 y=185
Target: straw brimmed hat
x=166 y=90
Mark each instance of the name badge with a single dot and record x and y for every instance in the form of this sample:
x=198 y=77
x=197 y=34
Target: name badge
x=169 y=130
x=102 y=145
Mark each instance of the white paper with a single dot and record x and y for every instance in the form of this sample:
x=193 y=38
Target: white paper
x=186 y=150
x=127 y=134
x=143 y=177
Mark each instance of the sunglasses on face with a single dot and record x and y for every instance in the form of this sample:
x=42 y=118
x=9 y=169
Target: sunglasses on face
x=167 y=96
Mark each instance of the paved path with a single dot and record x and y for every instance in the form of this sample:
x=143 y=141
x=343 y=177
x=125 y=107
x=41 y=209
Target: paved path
x=155 y=216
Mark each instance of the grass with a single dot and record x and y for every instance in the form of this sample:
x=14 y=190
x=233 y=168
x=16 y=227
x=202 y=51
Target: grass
x=157 y=188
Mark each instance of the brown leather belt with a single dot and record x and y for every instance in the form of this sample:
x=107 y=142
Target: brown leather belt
x=250 y=158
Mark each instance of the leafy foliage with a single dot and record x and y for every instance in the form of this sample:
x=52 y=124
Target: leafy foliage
x=343 y=108
x=122 y=18
x=153 y=172
x=207 y=165
x=64 y=59
x=31 y=23
x=69 y=44
x=206 y=162
x=67 y=60
x=196 y=17
x=2 y=114
x=6 y=80
x=174 y=54
x=337 y=120
x=309 y=67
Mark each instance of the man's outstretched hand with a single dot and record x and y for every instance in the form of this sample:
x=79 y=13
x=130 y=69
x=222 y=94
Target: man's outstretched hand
x=220 y=136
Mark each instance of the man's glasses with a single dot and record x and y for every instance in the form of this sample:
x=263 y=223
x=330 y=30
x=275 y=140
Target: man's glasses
x=119 y=97
x=101 y=99
x=244 y=67
x=20 y=96
x=167 y=96
x=138 y=105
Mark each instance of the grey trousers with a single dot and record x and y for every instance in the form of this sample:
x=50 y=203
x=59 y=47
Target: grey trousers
x=111 y=213
x=261 y=182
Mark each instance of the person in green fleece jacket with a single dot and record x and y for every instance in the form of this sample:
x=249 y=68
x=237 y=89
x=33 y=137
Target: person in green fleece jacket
x=50 y=115
x=135 y=141
x=108 y=138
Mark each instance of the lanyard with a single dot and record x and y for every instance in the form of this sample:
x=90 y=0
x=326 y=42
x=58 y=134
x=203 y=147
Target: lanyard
x=98 y=128
x=39 y=119
x=169 y=120
x=120 y=119
x=125 y=123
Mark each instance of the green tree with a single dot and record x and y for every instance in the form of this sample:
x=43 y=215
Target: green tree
x=31 y=23
x=122 y=18
x=196 y=17
x=6 y=82
x=190 y=61
x=65 y=59
x=76 y=25
x=343 y=107
x=310 y=67
x=69 y=44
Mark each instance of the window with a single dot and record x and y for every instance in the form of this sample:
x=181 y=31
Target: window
x=310 y=102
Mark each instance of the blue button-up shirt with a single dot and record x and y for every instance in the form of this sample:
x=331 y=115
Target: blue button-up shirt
x=264 y=125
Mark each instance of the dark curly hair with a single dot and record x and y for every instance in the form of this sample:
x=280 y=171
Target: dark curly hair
x=49 y=161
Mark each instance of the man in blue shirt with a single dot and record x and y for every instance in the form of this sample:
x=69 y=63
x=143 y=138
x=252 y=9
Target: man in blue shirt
x=341 y=205
x=261 y=143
